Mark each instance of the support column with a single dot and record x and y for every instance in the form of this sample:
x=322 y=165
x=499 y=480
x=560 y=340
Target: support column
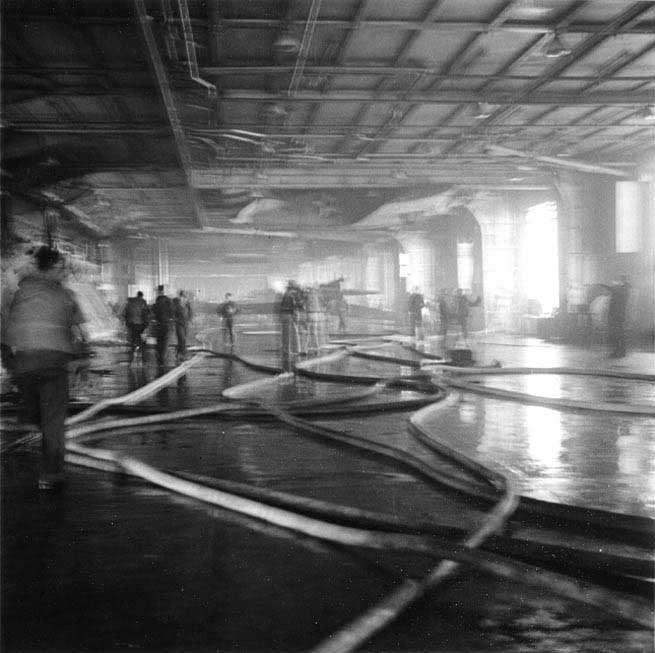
x=381 y=274
x=163 y=272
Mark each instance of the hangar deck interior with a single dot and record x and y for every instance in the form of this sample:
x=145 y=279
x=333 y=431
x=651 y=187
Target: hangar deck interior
x=376 y=494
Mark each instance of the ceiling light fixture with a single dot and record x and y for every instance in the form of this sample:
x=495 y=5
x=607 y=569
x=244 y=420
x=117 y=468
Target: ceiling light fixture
x=49 y=160
x=275 y=110
x=287 y=44
x=482 y=110
x=555 y=47
x=646 y=113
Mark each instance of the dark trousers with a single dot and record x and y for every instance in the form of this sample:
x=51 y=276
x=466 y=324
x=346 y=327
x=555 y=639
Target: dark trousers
x=162 y=334
x=134 y=341
x=342 y=322
x=443 y=326
x=416 y=324
x=180 y=334
x=464 y=327
x=45 y=394
x=616 y=333
x=228 y=331
x=290 y=338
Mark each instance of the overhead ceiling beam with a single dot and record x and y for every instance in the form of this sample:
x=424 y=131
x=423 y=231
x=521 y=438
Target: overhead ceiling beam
x=36 y=126
x=643 y=142
x=345 y=128
x=374 y=70
x=59 y=68
x=613 y=27
x=523 y=26
x=303 y=52
x=353 y=177
x=399 y=112
x=313 y=69
x=46 y=200
x=339 y=58
x=171 y=110
x=561 y=20
x=621 y=63
x=633 y=152
x=500 y=96
x=553 y=137
x=561 y=163
x=77 y=127
x=190 y=46
x=519 y=26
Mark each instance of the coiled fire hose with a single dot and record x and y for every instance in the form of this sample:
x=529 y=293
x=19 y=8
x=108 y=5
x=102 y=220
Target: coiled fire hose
x=357 y=537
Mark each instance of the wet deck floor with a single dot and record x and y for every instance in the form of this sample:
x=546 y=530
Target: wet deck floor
x=114 y=563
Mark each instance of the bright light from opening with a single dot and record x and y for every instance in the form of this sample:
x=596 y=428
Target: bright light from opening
x=539 y=257
x=277 y=285
x=465 y=265
x=544 y=425
x=631 y=201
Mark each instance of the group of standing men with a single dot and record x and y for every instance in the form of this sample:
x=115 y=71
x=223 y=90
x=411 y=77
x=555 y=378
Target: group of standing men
x=455 y=309
x=167 y=314
x=300 y=314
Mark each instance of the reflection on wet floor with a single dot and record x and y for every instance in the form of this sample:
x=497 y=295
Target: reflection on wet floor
x=559 y=456
x=582 y=388
x=142 y=568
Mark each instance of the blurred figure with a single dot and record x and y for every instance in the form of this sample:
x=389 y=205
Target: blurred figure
x=289 y=309
x=341 y=308
x=301 y=320
x=44 y=332
x=462 y=311
x=444 y=315
x=619 y=292
x=182 y=316
x=136 y=316
x=9 y=287
x=227 y=310
x=415 y=304
x=162 y=311
x=314 y=320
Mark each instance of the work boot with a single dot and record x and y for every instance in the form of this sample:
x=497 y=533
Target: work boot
x=49 y=482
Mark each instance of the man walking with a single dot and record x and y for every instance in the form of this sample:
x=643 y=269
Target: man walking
x=618 y=292
x=136 y=320
x=415 y=305
x=163 y=314
x=182 y=316
x=227 y=310
x=44 y=328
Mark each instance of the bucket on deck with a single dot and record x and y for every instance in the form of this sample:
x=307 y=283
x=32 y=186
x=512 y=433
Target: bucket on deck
x=460 y=357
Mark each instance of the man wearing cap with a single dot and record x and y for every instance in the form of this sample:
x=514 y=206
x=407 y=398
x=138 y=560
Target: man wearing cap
x=43 y=331
x=162 y=311
x=136 y=320
x=182 y=316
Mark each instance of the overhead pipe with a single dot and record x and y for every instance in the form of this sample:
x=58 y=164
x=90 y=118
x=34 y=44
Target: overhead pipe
x=411 y=589
x=303 y=53
x=168 y=98
x=192 y=61
x=575 y=165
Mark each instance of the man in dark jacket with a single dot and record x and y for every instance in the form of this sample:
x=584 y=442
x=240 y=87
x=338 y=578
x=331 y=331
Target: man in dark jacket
x=618 y=292
x=415 y=304
x=182 y=316
x=162 y=311
x=227 y=310
x=43 y=332
x=136 y=320
x=289 y=311
x=444 y=315
x=462 y=311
